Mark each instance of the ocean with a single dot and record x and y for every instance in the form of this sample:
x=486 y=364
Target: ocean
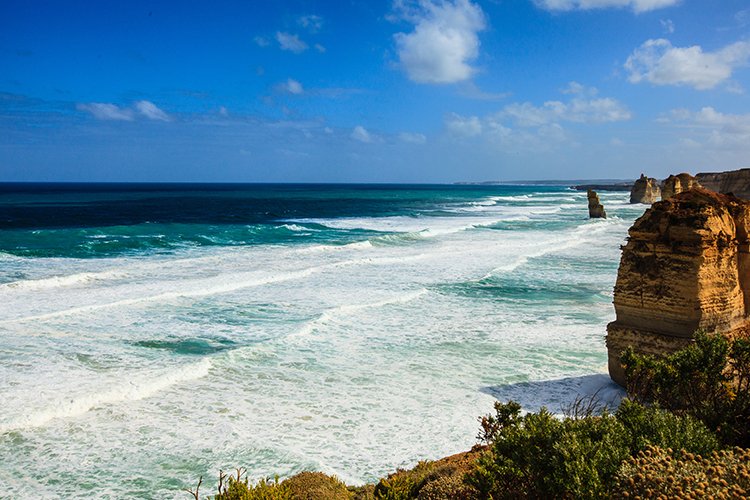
x=153 y=334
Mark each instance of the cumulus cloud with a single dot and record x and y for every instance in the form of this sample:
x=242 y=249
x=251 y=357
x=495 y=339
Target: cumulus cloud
x=290 y=42
x=292 y=86
x=444 y=41
x=151 y=111
x=659 y=62
x=412 y=138
x=106 y=111
x=713 y=127
x=583 y=108
x=523 y=125
x=637 y=6
x=359 y=133
x=463 y=126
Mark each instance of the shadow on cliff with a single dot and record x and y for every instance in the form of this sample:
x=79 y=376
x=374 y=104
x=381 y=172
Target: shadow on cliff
x=557 y=394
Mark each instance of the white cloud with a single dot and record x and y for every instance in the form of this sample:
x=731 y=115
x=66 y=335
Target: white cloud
x=151 y=111
x=444 y=40
x=362 y=135
x=320 y=48
x=292 y=86
x=412 y=137
x=667 y=25
x=106 y=111
x=583 y=108
x=713 y=127
x=637 y=6
x=312 y=23
x=463 y=126
x=660 y=63
x=223 y=111
x=261 y=41
x=290 y=42
x=525 y=126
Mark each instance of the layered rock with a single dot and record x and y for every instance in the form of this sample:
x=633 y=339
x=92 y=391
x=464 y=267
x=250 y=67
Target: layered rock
x=686 y=266
x=676 y=184
x=645 y=190
x=736 y=182
x=596 y=209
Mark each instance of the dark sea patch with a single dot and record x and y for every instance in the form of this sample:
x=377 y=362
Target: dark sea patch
x=194 y=346
x=511 y=288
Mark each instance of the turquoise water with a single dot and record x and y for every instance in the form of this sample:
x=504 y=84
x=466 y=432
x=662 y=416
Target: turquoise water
x=153 y=334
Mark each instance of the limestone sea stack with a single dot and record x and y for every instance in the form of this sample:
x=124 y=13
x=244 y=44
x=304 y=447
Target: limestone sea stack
x=645 y=190
x=676 y=184
x=736 y=182
x=686 y=266
x=596 y=209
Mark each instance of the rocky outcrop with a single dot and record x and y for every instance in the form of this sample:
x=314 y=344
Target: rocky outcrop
x=736 y=182
x=596 y=209
x=645 y=190
x=686 y=266
x=676 y=184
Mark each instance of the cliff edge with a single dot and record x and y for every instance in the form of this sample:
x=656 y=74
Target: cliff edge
x=645 y=190
x=686 y=266
x=736 y=182
x=676 y=184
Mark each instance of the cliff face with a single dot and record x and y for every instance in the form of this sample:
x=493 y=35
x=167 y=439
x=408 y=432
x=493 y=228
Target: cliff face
x=596 y=209
x=736 y=182
x=686 y=266
x=645 y=190
x=676 y=184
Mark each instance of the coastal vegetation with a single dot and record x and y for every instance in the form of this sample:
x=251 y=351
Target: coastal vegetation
x=681 y=433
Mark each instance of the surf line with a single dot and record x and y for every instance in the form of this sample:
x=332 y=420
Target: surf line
x=346 y=309
x=300 y=274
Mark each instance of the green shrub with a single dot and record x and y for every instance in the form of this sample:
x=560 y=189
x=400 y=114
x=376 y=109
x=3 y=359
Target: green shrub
x=709 y=380
x=238 y=489
x=660 y=473
x=653 y=426
x=538 y=455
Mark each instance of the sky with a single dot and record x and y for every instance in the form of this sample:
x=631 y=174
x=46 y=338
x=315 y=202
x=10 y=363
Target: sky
x=368 y=91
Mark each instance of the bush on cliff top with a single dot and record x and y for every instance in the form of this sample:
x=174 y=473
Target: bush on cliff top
x=539 y=455
x=710 y=380
x=660 y=473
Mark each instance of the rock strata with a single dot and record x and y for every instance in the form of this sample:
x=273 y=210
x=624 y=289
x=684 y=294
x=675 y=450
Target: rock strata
x=736 y=182
x=676 y=184
x=686 y=266
x=645 y=190
x=596 y=209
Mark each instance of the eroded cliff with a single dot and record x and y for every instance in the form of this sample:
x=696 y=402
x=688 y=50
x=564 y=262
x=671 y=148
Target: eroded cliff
x=736 y=182
x=676 y=184
x=645 y=190
x=686 y=266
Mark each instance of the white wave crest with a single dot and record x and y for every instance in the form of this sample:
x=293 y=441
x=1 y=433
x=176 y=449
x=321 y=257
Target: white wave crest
x=349 y=309
x=133 y=390
x=63 y=281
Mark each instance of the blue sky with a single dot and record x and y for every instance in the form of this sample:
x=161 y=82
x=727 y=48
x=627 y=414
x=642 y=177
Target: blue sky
x=364 y=91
